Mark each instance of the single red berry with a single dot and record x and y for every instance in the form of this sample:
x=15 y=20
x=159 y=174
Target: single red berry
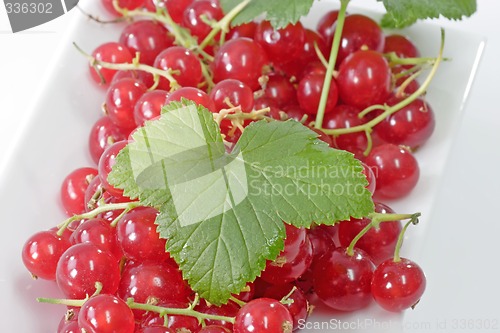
x=263 y=315
x=398 y=285
x=106 y=313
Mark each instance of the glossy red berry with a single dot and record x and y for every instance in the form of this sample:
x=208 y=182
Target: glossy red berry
x=241 y=59
x=106 y=163
x=293 y=261
x=152 y=280
x=280 y=44
x=42 y=251
x=263 y=315
x=81 y=266
x=397 y=286
x=182 y=60
x=109 y=52
x=121 y=98
x=147 y=37
x=396 y=170
x=358 y=84
x=310 y=90
x=359 y=33
x=343 y=281
x=106 y=313
x=102 y=135
x=411 y=126
x=137 y=236
x=149 y=106
x=73 y=190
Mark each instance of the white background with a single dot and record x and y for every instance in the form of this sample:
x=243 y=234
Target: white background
x=468 y=263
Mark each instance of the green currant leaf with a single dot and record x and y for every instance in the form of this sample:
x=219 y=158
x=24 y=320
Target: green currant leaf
x=279 y=13
x=402 y=13
x=223 y=213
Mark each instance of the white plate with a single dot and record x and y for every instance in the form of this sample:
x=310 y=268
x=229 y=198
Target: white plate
x=54 y=143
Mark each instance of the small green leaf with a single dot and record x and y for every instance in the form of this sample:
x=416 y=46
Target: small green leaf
x=279 y=12
x=402 y=13
x=223 y=213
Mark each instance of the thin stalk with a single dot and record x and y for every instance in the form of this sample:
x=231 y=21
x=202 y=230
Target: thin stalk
x=413 y=221
x=331 y=63
x=223 y=24
x=174 y=311
x=95 y=212
x=135 y=65
x=376 y=219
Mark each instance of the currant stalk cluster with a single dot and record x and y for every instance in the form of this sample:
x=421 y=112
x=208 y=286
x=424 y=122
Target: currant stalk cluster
x=107 y=257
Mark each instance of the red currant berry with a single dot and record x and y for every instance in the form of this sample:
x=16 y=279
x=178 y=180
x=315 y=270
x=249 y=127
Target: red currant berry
x=147 y=37
x=358 y=84
x=100 y=233
x=326 y=26
x=152 y=281
x=137 y=236
x=241 y=59
x=109 y=52
x=121 y=98
x=397 y=286
x=102 y=135
x=281 y=90
x=81 y=266
x=411 y=126
x=359 y=33
x=396 y=170
x=342 y=281
x=194 y=94
x=193 y=21
x=280 y=44
x=106 y=313
x=310 y=90
x=230 y=93
x=242 y=30
x=106 y=162
x=42 y=251
x=263 y=315
x=402 y=46
x=149 y=106
x=293 y=261
x=184 y=61
x=73 y=190
x=298 y=306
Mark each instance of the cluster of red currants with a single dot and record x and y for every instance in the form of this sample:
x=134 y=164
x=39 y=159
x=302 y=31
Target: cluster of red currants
x=255 y=68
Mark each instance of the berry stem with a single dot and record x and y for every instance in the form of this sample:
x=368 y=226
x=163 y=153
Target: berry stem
x=331 y=63
x=394 y=60
x=174 y=311
x=392 y=109
x=162 y=311
x=413 y=221
x=223 y=24
x=135 y=65
x=127 y=206
x=237 y=301
x=376 y=219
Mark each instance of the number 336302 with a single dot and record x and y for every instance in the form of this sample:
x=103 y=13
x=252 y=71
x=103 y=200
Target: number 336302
x=28 y=7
